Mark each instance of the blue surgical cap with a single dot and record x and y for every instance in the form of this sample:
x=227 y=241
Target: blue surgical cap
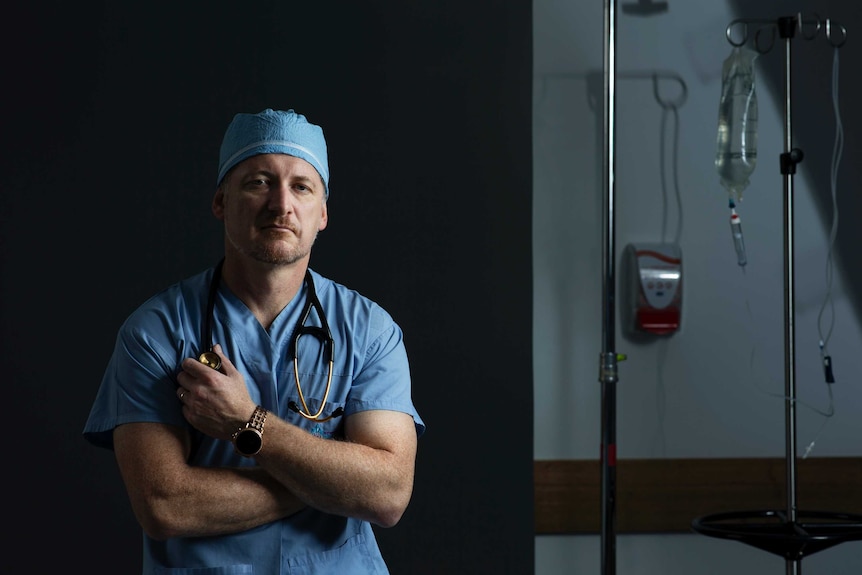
x=273 y=132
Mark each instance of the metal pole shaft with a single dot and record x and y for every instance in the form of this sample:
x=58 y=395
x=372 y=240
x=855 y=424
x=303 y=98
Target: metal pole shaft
x=608 y=359
x=787 y=27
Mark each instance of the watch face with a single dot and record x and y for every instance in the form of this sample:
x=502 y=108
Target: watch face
x=248 y=441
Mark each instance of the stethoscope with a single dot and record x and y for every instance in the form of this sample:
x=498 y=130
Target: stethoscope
x=211 y=359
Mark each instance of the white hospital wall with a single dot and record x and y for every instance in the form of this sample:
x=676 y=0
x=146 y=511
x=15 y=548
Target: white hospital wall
x=700 y=392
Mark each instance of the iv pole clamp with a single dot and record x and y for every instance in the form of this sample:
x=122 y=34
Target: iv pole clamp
x=789 y=161
x=790 y=533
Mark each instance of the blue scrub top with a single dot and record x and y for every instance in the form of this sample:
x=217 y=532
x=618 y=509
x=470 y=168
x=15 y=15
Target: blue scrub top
x=370 y=371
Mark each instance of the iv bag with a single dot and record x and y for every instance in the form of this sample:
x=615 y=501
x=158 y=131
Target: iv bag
x=736 y=142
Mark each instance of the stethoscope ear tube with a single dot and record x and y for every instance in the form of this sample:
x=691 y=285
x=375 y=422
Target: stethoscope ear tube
x=208 y=356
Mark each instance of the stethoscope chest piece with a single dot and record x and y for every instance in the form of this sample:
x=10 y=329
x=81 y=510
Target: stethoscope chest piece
x=210 y=359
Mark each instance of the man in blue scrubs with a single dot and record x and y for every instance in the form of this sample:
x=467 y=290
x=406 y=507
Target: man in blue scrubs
x=261 y=414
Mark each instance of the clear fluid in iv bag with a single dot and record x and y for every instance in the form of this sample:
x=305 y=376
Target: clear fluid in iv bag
x=736 y=143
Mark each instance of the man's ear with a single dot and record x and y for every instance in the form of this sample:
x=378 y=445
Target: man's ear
x=324 y=218
x=218 y=203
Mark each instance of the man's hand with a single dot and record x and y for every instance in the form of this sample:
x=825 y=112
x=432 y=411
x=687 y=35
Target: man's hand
x=216 y=403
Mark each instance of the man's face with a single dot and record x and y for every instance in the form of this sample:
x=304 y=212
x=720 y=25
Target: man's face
x=272 y=206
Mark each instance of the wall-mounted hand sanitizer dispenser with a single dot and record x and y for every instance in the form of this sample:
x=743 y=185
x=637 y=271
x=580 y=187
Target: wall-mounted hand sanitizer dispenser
x=655 y=290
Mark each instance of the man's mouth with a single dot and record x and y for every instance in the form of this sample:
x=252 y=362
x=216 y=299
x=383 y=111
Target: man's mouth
x=280 y=228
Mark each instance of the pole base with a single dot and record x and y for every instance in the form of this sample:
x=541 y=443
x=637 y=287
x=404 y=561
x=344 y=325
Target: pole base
x=771 y=530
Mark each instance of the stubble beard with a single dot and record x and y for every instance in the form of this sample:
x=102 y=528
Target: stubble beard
x=272 y=253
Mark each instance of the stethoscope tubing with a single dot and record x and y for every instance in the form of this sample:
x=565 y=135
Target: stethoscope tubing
x=210 y=358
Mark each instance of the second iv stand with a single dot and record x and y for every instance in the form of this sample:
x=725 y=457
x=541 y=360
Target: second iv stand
x=790 y=533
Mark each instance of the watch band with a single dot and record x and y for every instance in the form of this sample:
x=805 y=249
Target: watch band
x=258 y=418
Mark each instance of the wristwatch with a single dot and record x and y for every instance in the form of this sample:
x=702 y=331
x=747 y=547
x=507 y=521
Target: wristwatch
x=248 y=440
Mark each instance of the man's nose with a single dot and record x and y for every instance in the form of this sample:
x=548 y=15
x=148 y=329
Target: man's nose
x=280 y=198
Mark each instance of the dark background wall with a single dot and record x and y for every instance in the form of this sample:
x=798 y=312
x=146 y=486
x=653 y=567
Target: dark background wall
x=112 y=119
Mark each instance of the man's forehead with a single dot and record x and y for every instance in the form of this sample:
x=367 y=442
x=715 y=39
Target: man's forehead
x=276 y=162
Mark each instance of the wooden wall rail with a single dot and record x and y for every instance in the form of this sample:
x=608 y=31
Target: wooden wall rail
x=665 y=495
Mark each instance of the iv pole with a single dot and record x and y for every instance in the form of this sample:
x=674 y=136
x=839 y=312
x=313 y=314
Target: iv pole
x=791 y=536
x=608 y=359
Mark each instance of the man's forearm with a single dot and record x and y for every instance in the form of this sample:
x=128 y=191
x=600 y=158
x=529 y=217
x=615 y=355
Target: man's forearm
x=217 y=501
